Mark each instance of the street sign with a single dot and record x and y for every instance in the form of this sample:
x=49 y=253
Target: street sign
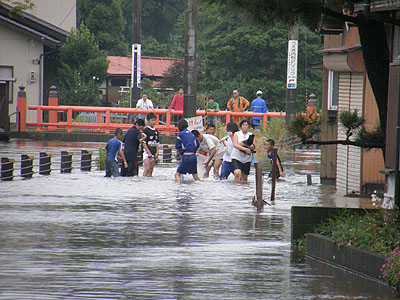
x=291 y=82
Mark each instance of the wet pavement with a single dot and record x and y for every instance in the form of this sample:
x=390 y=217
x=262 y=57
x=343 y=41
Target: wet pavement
x=84 y=236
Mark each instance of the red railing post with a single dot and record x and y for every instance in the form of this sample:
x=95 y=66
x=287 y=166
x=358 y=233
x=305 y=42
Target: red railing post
x=98 y=121
x=53 y=101
x=69 y=119
x=38 y=118
x=107 y=121
x=265 y=119
x=21 y=109
x=168 y=122
x=228 y=118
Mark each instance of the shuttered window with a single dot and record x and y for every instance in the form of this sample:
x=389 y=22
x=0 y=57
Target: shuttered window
x=348 y=159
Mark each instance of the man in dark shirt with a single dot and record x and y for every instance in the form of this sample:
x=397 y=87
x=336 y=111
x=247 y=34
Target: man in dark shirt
x=133 y=138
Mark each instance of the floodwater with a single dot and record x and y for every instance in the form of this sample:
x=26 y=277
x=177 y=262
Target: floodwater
x=84 y=236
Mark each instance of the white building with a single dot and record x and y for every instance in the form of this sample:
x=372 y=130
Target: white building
x=28 y=48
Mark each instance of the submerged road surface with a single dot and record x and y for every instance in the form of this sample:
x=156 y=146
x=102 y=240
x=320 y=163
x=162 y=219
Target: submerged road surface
x=83 y=236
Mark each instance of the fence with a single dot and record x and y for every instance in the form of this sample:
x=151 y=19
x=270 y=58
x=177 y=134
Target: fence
x=45 y=164
x=104 y=119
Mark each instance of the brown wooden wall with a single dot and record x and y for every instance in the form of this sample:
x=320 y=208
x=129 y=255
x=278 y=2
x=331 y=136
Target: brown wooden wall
x=372 y=161
x=329 y=126
x=393 y=102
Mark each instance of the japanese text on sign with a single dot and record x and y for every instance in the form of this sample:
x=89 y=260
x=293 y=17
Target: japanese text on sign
x=291 y=82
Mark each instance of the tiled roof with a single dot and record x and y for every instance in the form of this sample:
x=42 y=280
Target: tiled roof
x=151 y=66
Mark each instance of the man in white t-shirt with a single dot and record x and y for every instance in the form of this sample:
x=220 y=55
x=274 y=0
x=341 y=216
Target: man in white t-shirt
x=210 y=144
x=144 y=104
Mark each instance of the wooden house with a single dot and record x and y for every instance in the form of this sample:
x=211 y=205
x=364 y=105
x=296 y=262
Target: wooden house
x=346 y=87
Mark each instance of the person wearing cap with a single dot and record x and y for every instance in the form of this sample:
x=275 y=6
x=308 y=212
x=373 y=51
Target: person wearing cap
x=258 y=106
x=237 y=104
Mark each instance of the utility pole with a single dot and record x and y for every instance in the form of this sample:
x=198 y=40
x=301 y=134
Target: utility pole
x=190 y=77
x=136 y=39
x=291 y=84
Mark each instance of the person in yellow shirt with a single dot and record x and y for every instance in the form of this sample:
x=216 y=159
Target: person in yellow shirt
x=237 y=104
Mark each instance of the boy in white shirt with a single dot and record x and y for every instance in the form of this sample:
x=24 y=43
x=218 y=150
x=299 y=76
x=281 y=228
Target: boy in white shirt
x=210 y=144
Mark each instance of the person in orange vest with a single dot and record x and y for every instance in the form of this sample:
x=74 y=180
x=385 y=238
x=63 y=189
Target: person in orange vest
x=237 y=104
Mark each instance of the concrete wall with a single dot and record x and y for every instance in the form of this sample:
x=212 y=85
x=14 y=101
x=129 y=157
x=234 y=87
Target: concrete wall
x=61 y=13
x=17 y=51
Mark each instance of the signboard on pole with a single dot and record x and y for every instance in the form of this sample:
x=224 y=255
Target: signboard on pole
x=195 y=123
x=139 y=65
x=136 y=61
x=291 y=82
x=133 y=66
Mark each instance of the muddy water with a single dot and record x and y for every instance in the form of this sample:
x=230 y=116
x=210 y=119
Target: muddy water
x=83 y=236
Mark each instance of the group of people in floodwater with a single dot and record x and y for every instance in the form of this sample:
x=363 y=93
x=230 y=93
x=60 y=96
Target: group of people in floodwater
x=232 y=154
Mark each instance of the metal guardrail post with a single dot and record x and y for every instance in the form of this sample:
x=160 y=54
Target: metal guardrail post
x=86 y=160
x=167 y=154
x=7 y=169
x=26 y=166
x=44 y=163
x=66 y=162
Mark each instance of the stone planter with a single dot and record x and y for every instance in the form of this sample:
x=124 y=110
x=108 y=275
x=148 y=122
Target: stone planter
x=362 y=262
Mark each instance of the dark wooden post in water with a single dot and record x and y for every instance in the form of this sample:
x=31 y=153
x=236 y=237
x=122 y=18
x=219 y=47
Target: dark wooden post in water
x=259 y=202
x=26 y=166
x=66 y=162
x=7 y=168
x=274 y=166
x=167 y=154
x=44 y=164
x=86 y=160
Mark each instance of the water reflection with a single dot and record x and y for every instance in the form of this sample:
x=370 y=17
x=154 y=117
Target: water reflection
x=83 y=236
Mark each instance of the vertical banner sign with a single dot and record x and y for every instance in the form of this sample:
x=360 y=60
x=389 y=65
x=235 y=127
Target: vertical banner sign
x=133 y=66
x=136 y=61
x=291 y=82
x=139 y=65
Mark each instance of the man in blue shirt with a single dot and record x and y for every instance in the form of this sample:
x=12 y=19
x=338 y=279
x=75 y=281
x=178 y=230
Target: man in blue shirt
x=187 y=145
x=258 y=106
x=113 y=147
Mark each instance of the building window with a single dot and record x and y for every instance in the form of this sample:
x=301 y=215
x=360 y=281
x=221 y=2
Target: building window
x=333 y=85
x=6 y=74
x=118 y=82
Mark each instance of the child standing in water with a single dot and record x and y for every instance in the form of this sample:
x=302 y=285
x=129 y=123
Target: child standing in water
x=269 y=147
x=187 y=145
x=242 y=152
x=113 y=147
x=152 y=141
x=226 y=168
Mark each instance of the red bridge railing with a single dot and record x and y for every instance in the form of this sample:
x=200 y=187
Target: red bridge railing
x=104 y=119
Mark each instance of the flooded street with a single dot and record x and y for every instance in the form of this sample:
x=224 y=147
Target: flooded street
x=84 y=236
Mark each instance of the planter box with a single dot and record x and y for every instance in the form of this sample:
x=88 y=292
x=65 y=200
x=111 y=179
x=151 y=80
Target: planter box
x=353 y=259
x=305 y=218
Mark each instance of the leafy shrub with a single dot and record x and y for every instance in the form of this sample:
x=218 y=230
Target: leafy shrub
x=101 y=160
x=391 y=269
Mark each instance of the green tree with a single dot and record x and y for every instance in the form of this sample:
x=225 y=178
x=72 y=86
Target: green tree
x=19 y=5
x=371 y=31
x=105 y=20
x=235 y=52
x=82 y=68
